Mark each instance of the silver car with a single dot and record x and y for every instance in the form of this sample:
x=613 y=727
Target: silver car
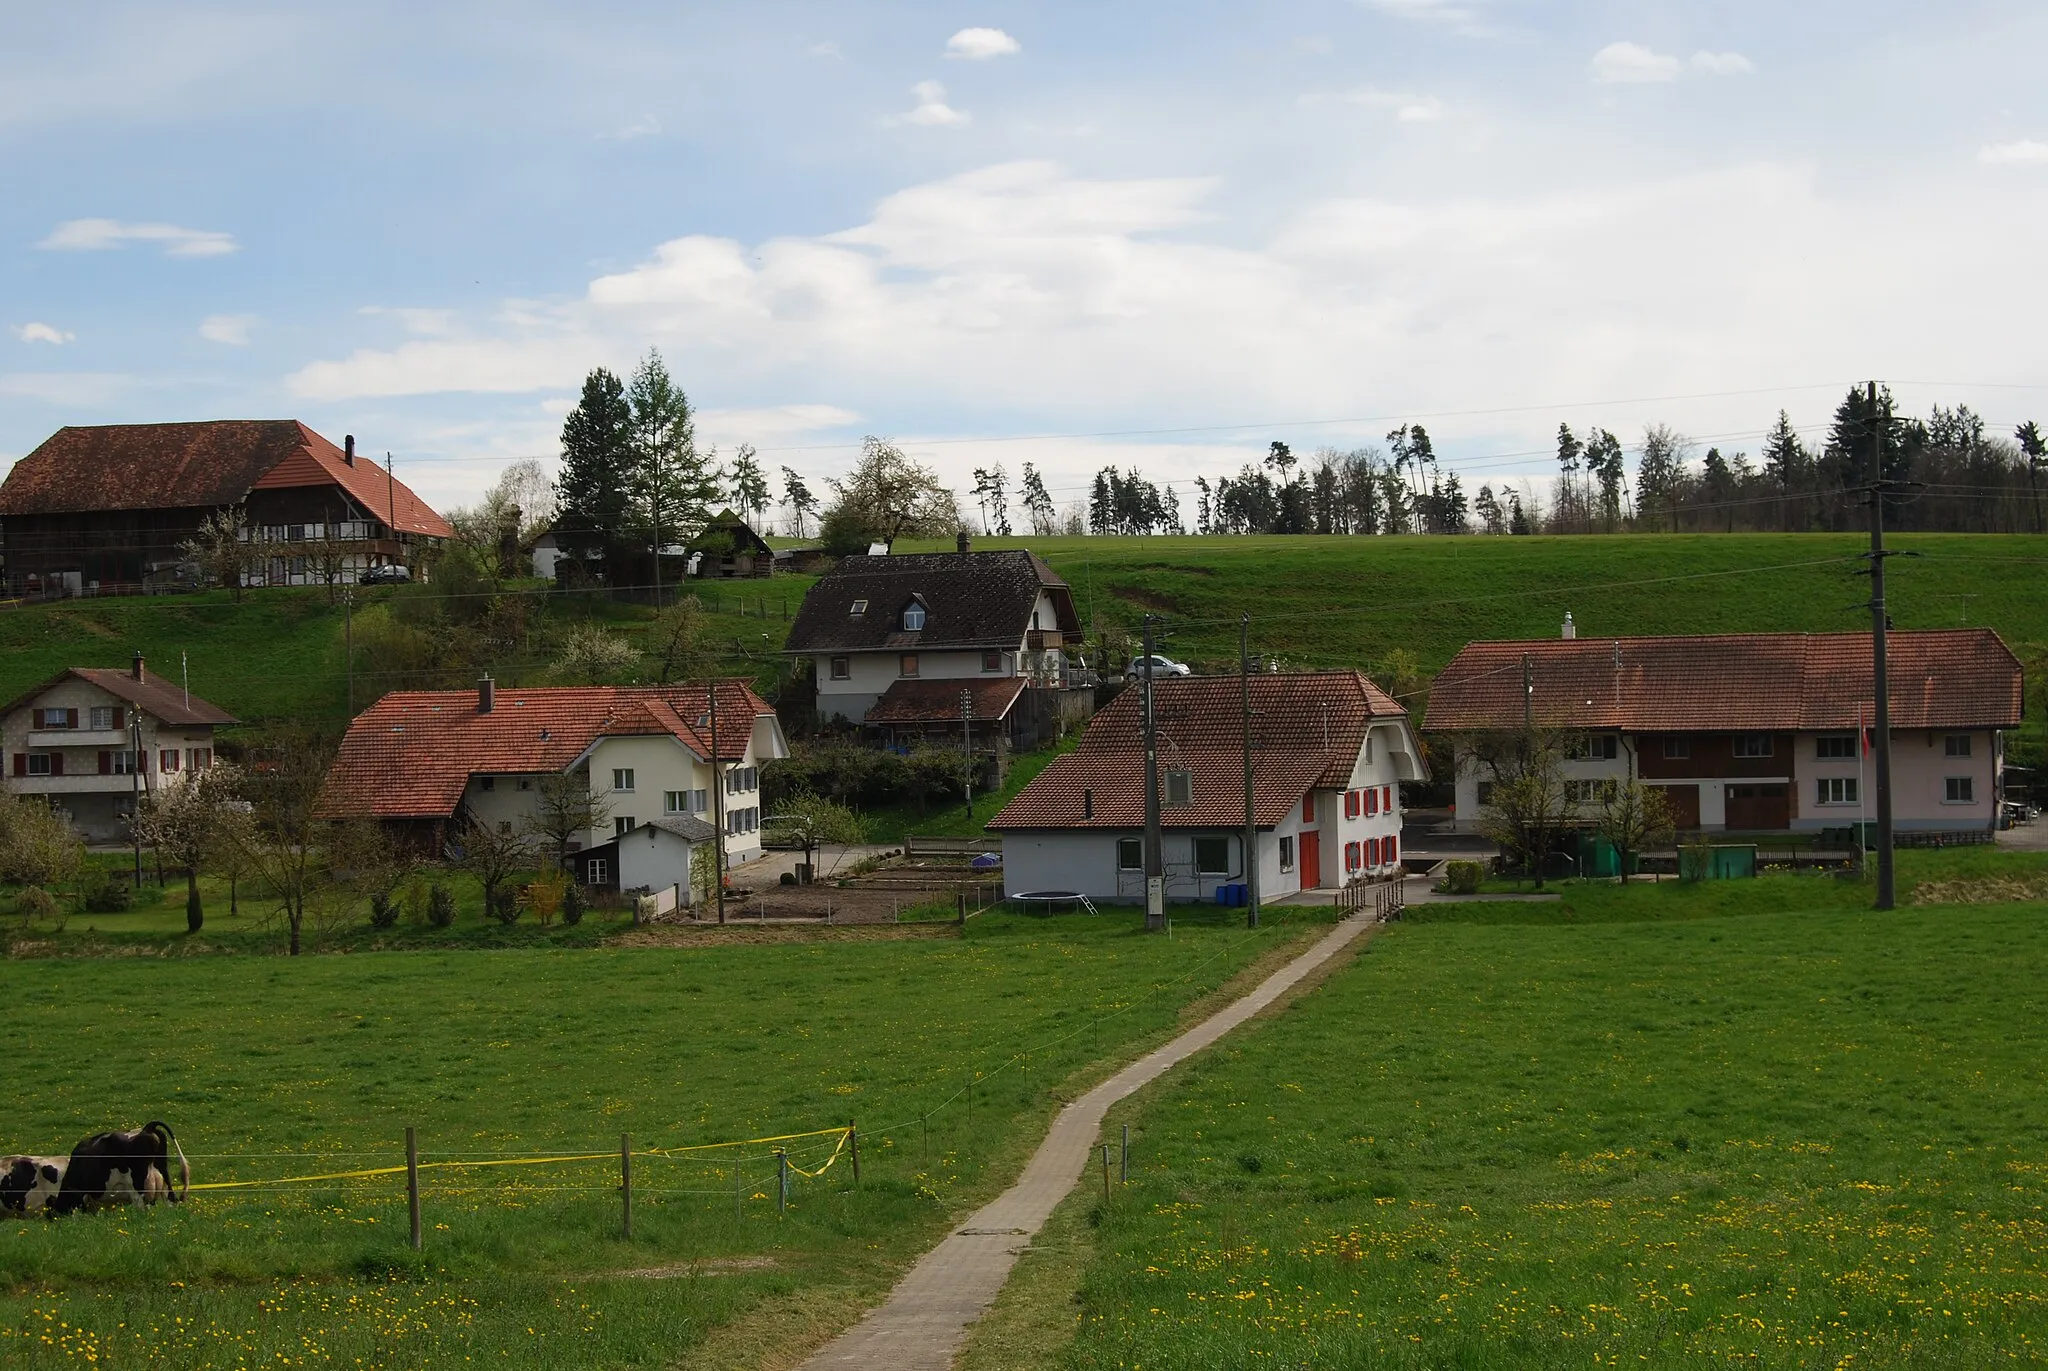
x=1155 y=666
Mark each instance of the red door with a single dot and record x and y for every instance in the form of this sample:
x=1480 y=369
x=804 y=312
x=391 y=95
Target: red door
x=1311 y=860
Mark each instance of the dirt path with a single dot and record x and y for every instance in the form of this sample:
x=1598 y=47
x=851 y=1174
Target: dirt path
x=922 y=1324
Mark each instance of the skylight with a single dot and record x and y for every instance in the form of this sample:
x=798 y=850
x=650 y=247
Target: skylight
x=860 y=607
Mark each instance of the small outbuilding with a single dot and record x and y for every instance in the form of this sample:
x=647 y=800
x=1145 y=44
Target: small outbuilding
x=653 y=856
x=727 y=549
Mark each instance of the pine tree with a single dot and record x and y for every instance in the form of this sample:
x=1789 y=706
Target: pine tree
x=1787 y=464
x=797 y=495
x=596 y=483
x=1101 y=506
x=674 y=483
x=749 y=483
x=1568 y=450
x=1038 y=503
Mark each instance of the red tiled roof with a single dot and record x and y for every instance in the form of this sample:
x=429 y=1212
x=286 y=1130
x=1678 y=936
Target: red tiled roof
x=938 y=701
x=412 y=753
x=1307 y=731
x=1942 y=678
x=197 y=466
x=162 y=699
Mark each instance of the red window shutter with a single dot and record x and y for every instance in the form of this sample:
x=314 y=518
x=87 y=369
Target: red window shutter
x=21 y=764
x=1350 y=804
x=1308 y=808
x=1387 y=798
x=1393 y=850
x=56 y=764
x=71 y=718
x=1372 y=800
x=106 y=764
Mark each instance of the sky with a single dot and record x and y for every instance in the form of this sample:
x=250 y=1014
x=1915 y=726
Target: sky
x=1150 y=235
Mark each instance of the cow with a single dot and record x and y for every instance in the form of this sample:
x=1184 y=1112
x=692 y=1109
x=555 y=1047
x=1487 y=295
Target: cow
x=131 y=1168
x=28 y=1184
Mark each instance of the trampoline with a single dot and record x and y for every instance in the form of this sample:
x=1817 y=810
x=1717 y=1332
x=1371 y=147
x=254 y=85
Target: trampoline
x=1046 y=901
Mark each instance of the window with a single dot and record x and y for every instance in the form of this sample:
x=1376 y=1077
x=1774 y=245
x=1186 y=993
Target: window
x=1212 y=856
x=37 y=764
x=738 y=821
x=1587 y=792
x=1957 y=745
x=841 y=668
x=1601 y=747
x=526 y=784
x=991 y=661
x=860 y=607
x=1372 y=802
x=1677 y=749
x=1372 y=851
x=597 y=871
x=675 y=801
x=1352 y=856
x=1835 y=747
x=1351 y=800
x=1180 y=788
x=1958 y=790
x=1485 y=796
x=106 y=716
x=1752 y=745
x=167 y=760
x=119 y=763
x=622 y=779
x=56 y=718
x=487 y=783
x=906 y=665
x=623 y=825
x=504 y=825
x=1391 y=848
x=913 y=618
x=1837 y=790
x=742 y=779
x=1287 y=852
x=200 y=758
x=1130 y=854
x=700 y=800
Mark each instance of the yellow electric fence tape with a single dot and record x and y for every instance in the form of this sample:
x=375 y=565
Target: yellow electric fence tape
x=844 y=1134
x=542 y=1161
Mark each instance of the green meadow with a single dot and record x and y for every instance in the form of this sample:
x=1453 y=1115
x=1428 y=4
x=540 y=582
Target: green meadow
x=272 y=1069
x=1668 y=1125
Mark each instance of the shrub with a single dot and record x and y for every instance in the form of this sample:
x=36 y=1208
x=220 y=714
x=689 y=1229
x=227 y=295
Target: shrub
x=1462 y=878
x=504 y=905
x=383 y=910
x=574 y=903
x=33 y=902
x=440 y=907
x=102 y=892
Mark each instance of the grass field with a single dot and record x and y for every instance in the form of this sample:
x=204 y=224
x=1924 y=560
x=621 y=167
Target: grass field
x=273 y=1069
x=1750 y=1124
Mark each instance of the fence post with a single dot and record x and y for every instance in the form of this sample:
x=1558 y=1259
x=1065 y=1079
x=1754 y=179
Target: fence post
x=412 y=1183
x=925 y=1121
x=626 y=1186
x=1105 y=1173
x=781 y=1179
x=1123 y=1172
x=962 y=919
x=738 y=1209
x=853 y=1140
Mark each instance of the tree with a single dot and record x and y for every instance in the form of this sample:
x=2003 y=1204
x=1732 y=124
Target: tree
x=797 y=495
x=563 y=811
x=1518 y=518
x=37 y=847
x=674 y=482
x=1038 y=503
x=678 y=633
x=2035 y=450
x=492 y=856
x=591 y=656
x=749 y=483
x=1847 y=456
x=1717 y=479
x=285 y=845
x=184 y=822
x=1492 y=519
x=1605 y=460
x=598 y=477
x=1787 y=463
x=1526 y=808
x=225 y=549
x=1568 y=451
x=1633 y=818
x=886 y=496
x=1660 y=471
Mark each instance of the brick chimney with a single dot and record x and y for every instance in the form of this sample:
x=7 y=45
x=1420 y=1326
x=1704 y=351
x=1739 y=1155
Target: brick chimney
x=348 y=448
x=136 y=669
x=486 y=694
x=963 y=542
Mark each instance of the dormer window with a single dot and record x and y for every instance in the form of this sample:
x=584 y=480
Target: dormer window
x=913 y=618
x=860 y=607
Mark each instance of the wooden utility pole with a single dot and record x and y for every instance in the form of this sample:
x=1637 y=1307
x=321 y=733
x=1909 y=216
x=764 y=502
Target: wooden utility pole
x=717 y=802
x=1879 y=627
x=1251 y=823
x=967 y=747
x=1155 y=858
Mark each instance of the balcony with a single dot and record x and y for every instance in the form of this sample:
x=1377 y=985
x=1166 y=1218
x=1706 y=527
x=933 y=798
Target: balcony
x=114 y=739
x=68 y=784
x=1044 y=639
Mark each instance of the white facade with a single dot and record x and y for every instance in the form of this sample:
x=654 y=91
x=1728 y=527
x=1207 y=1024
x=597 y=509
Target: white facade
x=850 y=682
x=74 y=744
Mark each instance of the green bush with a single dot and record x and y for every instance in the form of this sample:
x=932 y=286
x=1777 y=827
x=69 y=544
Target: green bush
x=574 y=903
x=102 y=892
x=383 y=910
x=33 y=902
x=1462 y=878
x=440 y=907
x=504 y=905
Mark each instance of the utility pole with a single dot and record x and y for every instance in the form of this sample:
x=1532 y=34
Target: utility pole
x=135 y=786
x=1251 y=823
x=1879 y=626
x=717 y=803
x=1528 y=695
x=967 y=746
x=348 y=644
x=391 y=499
x=1155 y=861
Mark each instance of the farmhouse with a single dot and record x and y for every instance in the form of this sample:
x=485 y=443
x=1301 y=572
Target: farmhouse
x=430 y=762
x=1746 y=732
x=727 y=548
x=89 y=740
x=1329 y=751
x=108 y=509
x=896 y=640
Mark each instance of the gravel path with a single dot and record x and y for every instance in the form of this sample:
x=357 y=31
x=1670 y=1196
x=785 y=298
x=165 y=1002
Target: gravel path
x=925 y=1319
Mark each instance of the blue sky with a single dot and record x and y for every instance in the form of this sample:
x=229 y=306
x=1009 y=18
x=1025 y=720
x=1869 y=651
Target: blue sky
x=423 y=223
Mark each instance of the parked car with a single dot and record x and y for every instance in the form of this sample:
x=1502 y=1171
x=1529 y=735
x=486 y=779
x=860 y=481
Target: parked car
x=1158 y=666
x=393 y=575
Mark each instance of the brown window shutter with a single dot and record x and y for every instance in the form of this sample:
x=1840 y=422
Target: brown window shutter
x=120 y=717
x=106 y=764
x=71 y=718
x=56 y=764
x=21 y=764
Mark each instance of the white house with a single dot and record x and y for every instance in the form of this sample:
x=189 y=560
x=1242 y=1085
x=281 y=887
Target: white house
x=654 y=856
x=878 y=626
x=431 y=761
x=1329 y=752
x=89 y=740
x=1747 y=731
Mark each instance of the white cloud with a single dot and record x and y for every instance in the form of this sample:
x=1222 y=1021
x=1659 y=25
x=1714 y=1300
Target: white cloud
x=1631 y=64
x=232 y=329
x=644 y=127
x=2025 y=152
x=931 y=109
x=43 y=333
x=1461 y=16
x=825 y=49
x=103 y=235
x=1723 y=64
x=1408 y=109
x=978 y=45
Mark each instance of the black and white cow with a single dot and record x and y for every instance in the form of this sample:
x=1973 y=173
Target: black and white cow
x=131 y=1168
x=28 y=1184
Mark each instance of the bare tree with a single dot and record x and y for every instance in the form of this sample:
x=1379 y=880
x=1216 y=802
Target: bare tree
x=224 y=547
x=1633 y=818
x=679 y=633
x=1526 y=808
x=184 y=823
x=285 y=846
x=492 y=855
x=564 y=810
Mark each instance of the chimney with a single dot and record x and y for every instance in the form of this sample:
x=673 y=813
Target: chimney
x=136 y=670
x=486 y=694
x=1571 y=630
x=348 y=448
x=965 y=543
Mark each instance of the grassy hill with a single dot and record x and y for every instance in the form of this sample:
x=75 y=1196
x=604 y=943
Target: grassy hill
x=1385 y=604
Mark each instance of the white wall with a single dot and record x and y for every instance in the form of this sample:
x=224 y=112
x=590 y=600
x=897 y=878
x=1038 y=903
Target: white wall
x=654 y=858
x=872 y=673
x=81 y=748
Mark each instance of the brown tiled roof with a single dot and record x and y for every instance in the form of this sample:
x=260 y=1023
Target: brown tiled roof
x=1754 y=682
x=155 y=696
x=972 y=600
x=1307 y=731
x=726 y=526
x=197 y=466
x=938 y=701
x=412 y=753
